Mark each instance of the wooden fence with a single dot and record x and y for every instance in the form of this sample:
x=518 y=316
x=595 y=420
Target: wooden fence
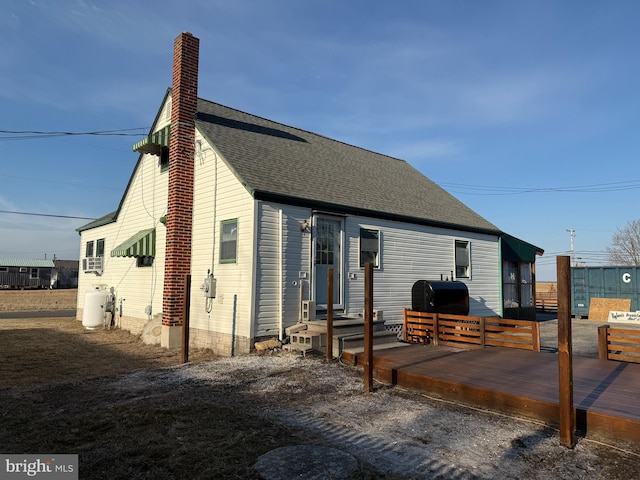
x=470 y=332
x=547 y=301
x=622 y=344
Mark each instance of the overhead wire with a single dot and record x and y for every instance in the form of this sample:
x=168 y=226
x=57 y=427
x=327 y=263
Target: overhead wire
x=502 y=190
x=33 y=134
x=47 y=215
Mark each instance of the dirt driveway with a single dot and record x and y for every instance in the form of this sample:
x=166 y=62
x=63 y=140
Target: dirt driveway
x=131 y=412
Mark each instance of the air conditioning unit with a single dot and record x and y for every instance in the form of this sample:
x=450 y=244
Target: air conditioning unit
x=92 y=265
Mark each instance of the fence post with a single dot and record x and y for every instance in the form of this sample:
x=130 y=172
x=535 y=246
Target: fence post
x=436 y=329
x=330 y=315
x=603 y=342
x=483 y=342
x=565 y=359
x=535 y=336
x=368 y=327
x=404 y=327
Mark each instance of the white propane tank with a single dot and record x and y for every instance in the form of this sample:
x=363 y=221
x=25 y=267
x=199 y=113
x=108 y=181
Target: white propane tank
x=93 y=313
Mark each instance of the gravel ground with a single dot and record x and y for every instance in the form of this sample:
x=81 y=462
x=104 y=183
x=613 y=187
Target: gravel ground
x=218 y=418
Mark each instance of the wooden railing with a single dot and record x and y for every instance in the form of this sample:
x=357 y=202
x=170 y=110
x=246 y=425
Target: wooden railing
x=470 y=332
x=622 y=344
x=547 y=301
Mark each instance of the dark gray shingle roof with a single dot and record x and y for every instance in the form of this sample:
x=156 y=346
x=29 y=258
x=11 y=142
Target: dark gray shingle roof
x=276 y=161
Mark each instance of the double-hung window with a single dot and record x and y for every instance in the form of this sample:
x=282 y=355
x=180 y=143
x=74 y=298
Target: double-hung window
x=96 y=247
x=463 y=259
x=89 y=249
x=369 y=247
x=229 y=241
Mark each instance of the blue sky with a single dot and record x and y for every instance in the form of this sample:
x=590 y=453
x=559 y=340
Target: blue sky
x=527 y=111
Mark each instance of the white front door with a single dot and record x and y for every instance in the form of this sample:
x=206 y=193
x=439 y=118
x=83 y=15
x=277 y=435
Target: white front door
x=328 y=233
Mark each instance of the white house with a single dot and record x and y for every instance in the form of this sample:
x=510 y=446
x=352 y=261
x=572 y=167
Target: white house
x=257 y=212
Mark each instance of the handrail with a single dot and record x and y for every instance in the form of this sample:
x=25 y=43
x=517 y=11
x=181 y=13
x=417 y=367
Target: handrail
x=621 y=344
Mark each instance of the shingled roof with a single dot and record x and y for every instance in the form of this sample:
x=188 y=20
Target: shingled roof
x=286 y=164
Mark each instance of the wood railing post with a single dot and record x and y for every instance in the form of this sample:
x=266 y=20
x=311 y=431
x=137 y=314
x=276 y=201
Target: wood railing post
x=405 y=326
x=330 y=315
x=535 y=336
x=565 y=359
x=368 y=327
x=436 y=329
x=483 y=342
x=603 y=342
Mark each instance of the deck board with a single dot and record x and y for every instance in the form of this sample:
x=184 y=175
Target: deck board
x=606 y=393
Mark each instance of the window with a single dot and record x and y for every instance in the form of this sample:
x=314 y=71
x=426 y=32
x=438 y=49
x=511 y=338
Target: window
x=34 y=273
x=510 y=284
x=517 y=284
x=228 y=241
x=164 y=159
x=4 y=269
x=369 y=247
x=100 y=247
x=144 y=261
x=463 y=259
x=89 y=250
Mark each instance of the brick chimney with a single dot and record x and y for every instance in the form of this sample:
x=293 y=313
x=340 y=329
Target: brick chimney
x=184 y=99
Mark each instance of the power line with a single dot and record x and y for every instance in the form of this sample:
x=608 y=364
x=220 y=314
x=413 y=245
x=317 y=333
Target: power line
x=47 y=215
x=59 y=182
x=33 y=134
x=501 y=190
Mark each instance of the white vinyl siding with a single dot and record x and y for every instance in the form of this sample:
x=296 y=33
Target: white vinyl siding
x=414 y=252
x=279 y=267
x=219 y=198
x=142 y=207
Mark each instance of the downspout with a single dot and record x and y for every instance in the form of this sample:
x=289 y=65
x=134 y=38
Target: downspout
x=280 y=274
x=254 y=272
x=500 y=276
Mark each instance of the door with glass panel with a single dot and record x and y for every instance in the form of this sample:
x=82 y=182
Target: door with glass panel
x=328 y=233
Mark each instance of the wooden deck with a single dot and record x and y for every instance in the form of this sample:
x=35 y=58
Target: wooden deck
x=606 y=393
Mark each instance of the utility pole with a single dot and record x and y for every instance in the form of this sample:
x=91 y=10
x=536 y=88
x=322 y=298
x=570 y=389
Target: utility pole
x=572 y=232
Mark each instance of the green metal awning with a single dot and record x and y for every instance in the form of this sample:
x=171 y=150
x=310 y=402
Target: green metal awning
x=153 y=143
x=142 y=244
x=515 y=249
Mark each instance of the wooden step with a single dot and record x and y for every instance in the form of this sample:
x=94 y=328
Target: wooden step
x=356 y=340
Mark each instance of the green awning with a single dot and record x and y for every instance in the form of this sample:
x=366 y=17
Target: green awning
x=518 y=250
x=142 y=244
x=153 y=143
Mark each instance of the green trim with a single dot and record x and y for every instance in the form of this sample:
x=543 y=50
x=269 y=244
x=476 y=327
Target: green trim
x=518 y=250
x=153 y=143
x=142 y=244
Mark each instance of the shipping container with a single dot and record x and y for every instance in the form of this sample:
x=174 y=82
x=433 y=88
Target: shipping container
x=603 y=282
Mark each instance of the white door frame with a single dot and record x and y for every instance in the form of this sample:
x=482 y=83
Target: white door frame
x=329 y=258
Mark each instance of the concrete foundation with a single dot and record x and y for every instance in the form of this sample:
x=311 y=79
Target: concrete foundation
x=222 y=344
x=171 y=337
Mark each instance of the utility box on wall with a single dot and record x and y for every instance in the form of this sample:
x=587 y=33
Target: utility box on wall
x=603 y=282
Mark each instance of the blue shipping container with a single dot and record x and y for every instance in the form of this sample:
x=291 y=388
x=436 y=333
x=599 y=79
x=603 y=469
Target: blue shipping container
x=603 y=282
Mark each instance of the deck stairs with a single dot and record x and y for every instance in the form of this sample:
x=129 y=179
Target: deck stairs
x=348 y=335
